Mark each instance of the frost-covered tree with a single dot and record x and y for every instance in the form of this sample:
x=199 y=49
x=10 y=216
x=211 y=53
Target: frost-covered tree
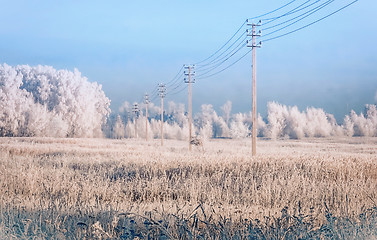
x=43 y=101
x=119 y=129
x=289 y=121
x=281 y=122
x=209 y=124
x=226 y=109
x=262 y=127
x=176 y=113
x=348 y=126
x=238 y=126
x=364 y=124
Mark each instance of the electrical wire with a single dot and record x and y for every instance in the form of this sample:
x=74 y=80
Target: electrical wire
x=176 y=76
x=177 y=86
x=298 y=29
x=223 y=45
x=222 y=70
x=141 y=100
x=217 y=59
x=305 y=15
x=268 y=13
x=154 y=98
x=226 y=57
x=176 y=80
x=154 y=89
x=277 y=9
x=219 y=64
x=154 y=93
x=293 y=11
x=178 y=91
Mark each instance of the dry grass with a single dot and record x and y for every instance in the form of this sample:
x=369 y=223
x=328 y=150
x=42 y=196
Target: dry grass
x=101 y=188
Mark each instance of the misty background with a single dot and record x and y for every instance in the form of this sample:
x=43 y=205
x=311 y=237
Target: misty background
x=129 y=47
x=44 y=102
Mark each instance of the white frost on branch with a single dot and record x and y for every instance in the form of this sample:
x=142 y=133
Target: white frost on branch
x=43 y=101
x=281 y=122
x=364 y=124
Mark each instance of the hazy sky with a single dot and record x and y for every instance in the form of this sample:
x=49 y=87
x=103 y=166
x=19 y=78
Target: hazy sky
x=130 y=46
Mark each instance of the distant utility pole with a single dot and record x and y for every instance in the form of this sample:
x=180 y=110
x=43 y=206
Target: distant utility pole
x=190 y=74
x=146 y=101
x=135 y=110
x=253 y=45
x=162 y=93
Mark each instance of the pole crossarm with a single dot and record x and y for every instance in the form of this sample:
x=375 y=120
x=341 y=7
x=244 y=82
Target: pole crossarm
x=253 y=34
x=135 y=109
x=162 y=90
x=146 y=98
x=189 y=73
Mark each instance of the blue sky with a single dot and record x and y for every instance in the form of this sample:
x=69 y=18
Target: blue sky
x=130 y=46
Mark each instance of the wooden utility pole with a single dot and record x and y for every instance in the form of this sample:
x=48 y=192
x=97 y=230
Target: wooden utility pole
x=190 y=74
x=135 y=110
x=146 y=101
x=254 y=76
x=190 y=105
x=162 y=95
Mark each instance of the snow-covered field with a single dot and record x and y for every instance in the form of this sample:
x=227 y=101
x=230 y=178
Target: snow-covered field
x=53 y=187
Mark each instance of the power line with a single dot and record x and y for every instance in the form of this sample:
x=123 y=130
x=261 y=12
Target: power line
x=176 y=76
x=225 y=52
x=305 y=15
x=177 y=86
x=277 y=9
x=154 y=97
x=197 y=63
x=226 y=57
x=293 y=11
x=223 y=45
x=141 y=99
x=298 y=29
x=154 y=91
x=219 y=64
x=175 y=81
x=226 y=67
x=178 y=91
x=217 y=59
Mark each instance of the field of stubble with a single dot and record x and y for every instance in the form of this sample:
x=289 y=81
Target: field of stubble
x=133 y=189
